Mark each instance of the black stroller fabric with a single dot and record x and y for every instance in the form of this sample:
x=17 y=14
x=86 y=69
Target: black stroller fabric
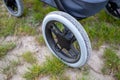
x=50 y=2
x=78 y=8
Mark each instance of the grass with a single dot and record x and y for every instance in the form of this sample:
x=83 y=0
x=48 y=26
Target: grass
x=10 y=70
x=33 y=72
x=61 y=77
x=29 y=57
x=4 y=48
x=7 y=26
x=52 y=67
x=37 y=10
x=26 y=30
x=102 y=29
x=40 y=40
x=83 y=78
x=112 y=63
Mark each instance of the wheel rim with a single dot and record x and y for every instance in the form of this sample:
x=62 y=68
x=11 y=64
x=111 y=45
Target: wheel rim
x=62 y=41
x=113 y=9
x=11 y=5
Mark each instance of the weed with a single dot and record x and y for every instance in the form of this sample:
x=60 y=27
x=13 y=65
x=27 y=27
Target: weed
x=61 y=77
x=40 y=40
x=84 y=78
x=29 y=57
x=33 y=72
x=4 y=48
x=51 y=67
x=112 y=63
x=117 y=75
x=7 y=26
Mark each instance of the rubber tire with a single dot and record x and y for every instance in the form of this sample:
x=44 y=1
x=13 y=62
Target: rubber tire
x=20 y=8
x=78 y=31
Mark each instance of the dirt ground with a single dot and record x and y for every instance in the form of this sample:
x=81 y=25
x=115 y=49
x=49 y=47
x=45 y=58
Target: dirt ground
x=28 y=43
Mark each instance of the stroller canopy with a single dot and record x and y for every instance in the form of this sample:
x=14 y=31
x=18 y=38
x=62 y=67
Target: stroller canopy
x=78 y=8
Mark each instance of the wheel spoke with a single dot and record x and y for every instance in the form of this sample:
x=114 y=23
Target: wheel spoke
x=73 y=39
x=73 y=52
x=65 y=31
x=68 y=34
x=57 y=48
x=55 y=30
x=117 y=12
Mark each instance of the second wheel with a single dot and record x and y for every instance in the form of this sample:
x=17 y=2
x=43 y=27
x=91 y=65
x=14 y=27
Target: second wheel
x=14 y=7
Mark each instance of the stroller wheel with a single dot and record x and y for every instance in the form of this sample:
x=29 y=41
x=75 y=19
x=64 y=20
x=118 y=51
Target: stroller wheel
x=14 y=7
x=66 y=38
x=113 y=10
